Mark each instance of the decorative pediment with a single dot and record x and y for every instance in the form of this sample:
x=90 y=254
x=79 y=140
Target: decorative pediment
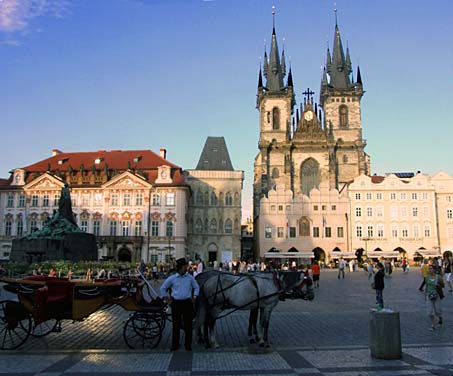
x=45 y=182
x=127 y=180
x=155 y=216
x=170 y=217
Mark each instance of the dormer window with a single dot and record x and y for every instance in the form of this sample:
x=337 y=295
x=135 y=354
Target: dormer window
x=137 y=159
x=61 y=161
x=98 y=160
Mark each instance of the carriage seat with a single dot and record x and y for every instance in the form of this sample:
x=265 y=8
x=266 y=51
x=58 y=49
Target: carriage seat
x=59 y=290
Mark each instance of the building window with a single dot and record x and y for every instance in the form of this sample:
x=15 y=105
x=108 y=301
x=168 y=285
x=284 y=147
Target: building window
x=328 y=232
x=358 y=231
x=273 y=207
x=214 y=200
x=394 y=231
x=357 y=196
x=379 y=196
x=33 y=226
x=56 y=200
x=155 y=228
x=10 y=201
x=8 y=226
x=403 y=211
x=392 y=196
x=96 y=227
x=424 y=195
x=316 y=232
x=34 y=200
x=340 y=232
x=369 y=212
x=288 y=208
x=275 y=118
x=334 y=207
x=426 y=211
x=323 y=207
x=343 y=110
x=113 y=225
x=268 y=232
x=21 y=201
x=415 y=212
x=228 y=199
x=170 y=199
x=126 y=199
x=370 y=231
x=292 y=232
x=404 y=232
x=379 y=211
x=394 y=211
x=416 y=231
x=368 y=196
x=155 y=199
x=280 y=207
x=315 y=207
x=114 y=199
x=125 y=228
x=427 y=231
x=98 y=199
x=85 y=200
x=309 y=176
x=358 y=212
x=138 y=228
x=84 y=225
x=449 y=213
x=228 y=226
x=403 y=196
x=169 y=228
x=280 y=232
x=380 y=231
x=20 y=228
x=414 y=196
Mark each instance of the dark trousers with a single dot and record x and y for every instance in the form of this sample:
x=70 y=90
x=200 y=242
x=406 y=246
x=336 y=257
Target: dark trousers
x=182 y=311
x=379 y=298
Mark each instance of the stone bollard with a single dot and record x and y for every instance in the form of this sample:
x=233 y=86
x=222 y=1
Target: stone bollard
x=385 y=334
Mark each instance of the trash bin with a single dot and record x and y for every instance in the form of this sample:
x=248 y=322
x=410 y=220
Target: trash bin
x=385 y=334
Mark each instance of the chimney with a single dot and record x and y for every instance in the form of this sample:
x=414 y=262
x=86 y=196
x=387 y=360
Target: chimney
x=163 y=153
x=56 y=152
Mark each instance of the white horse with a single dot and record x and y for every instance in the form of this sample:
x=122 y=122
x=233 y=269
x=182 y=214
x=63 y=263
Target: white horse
x=220 y=291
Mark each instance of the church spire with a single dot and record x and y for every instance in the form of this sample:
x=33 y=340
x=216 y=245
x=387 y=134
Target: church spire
x=340 y=65
x=274 y=69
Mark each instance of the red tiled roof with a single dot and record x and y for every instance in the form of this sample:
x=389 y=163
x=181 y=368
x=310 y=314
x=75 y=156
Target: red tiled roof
x=143 y=162
x=115 y=159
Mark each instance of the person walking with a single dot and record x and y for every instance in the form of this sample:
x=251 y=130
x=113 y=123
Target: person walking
x=447 y=271
x=432 y=297
x=370 y=271
x=180 y=291
x=316 y=273
x=379 y=285
x=424 y=271
x=341 y=266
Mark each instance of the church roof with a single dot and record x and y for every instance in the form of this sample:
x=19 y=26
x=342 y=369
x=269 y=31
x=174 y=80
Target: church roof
x=215 y=155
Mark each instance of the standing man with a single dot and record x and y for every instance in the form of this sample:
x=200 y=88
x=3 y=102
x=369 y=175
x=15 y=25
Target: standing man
x=181 y=297
x=379 y=285
x=341 y=266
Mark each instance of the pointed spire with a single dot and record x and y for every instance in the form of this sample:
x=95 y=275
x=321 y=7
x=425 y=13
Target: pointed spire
x=328 y=61
x=290 y=78
x=324 y=78
x=340 y=68
x=283 y=64
x=265 y=64
x=348 y=61
x=359 y=76
x=260 y=80
x=274 y=72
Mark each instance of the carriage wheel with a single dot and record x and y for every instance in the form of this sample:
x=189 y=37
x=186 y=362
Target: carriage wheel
x=15 y=325
x=142 y=331
x=44 y=328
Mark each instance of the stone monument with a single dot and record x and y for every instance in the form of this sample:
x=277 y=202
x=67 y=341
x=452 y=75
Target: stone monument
x=59 y=239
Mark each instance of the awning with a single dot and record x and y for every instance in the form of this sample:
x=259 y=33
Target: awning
x=427 y=252
x=284 y=255
x=337 y=255
x=386 y=254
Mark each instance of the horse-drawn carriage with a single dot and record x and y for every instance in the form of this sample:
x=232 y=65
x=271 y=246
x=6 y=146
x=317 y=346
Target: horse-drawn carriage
x=36 y=305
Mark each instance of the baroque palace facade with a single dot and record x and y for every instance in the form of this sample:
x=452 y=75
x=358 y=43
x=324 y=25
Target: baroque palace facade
x=136 y=202
x=313 y=193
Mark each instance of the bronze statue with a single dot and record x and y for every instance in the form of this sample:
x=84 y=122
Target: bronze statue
x=65 y=205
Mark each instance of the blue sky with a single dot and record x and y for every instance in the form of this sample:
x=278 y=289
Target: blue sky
x=144 y=74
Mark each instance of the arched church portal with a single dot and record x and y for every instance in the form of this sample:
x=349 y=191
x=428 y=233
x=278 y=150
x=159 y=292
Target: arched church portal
x=212 y=252
x=124 y=255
